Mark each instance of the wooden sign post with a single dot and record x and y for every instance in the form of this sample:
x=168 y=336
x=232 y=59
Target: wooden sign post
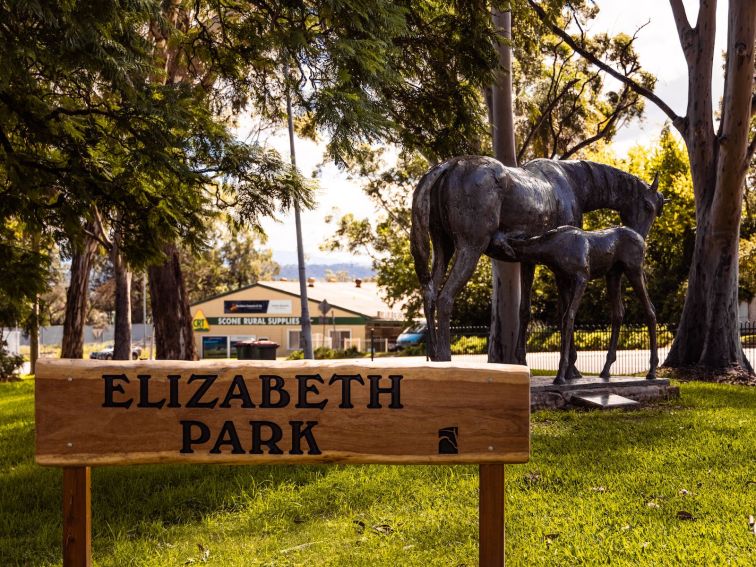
x=93 y=413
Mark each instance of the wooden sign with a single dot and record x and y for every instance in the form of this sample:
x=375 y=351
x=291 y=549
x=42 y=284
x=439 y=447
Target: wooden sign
x=119 y=412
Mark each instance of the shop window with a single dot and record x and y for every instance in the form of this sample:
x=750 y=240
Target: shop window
x=341 y=339
x=214 y=347
x=295 y=340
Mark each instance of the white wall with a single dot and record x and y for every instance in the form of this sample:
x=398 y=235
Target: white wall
x=747 y=311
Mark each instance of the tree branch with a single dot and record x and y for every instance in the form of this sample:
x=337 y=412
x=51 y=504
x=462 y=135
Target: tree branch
x=677 y=121
x=99 y=235
x=6 y=144
x=546 y=112
x=681 y=20
x=601 y=132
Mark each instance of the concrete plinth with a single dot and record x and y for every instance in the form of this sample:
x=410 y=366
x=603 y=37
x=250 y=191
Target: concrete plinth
x=546 y=395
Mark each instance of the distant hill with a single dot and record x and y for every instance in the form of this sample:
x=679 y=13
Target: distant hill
x=291 y=272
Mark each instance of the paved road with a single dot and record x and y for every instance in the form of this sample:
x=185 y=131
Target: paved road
x=628 y=361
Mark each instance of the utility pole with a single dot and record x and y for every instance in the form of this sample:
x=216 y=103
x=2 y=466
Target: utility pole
x=505 y=301
x=34 y=327
x=306 y=333
x=144 y=312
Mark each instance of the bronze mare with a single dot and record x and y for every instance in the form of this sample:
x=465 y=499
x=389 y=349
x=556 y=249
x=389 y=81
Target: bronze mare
x=461 y=204
x=577 y=256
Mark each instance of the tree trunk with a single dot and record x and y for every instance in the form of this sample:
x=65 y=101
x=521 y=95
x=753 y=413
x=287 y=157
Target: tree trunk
x=709 y=334
x=505 y=299
x=173 y=334
x=122 y=276
x=76 y=301
x=174 y=338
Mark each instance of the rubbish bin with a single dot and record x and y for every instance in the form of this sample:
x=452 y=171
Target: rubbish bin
x=246 y=350
x=256 y=350
x=264 y=350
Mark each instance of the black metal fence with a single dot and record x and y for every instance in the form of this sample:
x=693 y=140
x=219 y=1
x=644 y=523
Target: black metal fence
x=592 y=343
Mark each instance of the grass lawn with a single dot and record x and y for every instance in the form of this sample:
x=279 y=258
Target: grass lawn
x=600 y=488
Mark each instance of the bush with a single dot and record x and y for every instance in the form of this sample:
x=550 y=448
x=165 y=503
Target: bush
x=630 y=338
x=296 y=355
x=325 y=353
x=9 y=363
x=470 y=345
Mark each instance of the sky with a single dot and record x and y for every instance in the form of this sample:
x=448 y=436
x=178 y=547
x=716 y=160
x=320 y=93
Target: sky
x=660 y=54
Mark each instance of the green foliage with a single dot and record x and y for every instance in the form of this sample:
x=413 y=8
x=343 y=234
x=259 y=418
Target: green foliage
x=564 y=105
x=325 y=353
x=747 y=268
x=599 y=486
x=233 y=259
x=91 y=130
x=9 y=363
x=470 y=345
x=548 y=339
x=25 y=272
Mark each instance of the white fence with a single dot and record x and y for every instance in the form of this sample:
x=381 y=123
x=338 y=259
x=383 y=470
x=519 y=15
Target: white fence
x=53 y=335
x=12 y=338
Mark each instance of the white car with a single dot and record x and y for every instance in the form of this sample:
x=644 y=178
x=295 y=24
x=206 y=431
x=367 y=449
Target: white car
x=107 y=353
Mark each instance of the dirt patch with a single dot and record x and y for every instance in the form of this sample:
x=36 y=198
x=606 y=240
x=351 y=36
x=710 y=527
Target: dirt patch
x=736 y=376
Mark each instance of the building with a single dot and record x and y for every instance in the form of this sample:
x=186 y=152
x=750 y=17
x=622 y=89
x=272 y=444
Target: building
x=272 y=310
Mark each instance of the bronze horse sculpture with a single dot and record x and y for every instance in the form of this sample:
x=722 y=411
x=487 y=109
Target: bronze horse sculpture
x=576 y=256
x=460 y=206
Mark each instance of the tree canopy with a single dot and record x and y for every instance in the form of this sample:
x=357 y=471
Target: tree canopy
x=89 y=138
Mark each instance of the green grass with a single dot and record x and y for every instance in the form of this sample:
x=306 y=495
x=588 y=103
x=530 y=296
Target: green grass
x=600 y=488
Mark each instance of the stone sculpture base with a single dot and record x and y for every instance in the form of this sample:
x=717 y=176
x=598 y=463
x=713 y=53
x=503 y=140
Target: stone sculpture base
x=546 y=395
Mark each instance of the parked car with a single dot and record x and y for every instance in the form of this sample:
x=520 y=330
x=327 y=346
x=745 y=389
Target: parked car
x=413 y=335
x=107 y=353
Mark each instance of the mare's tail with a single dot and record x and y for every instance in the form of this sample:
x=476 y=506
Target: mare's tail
x=420 y=245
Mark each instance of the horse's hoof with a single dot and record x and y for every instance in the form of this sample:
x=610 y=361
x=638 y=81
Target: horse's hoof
x=605 y=375
x=651 y=376
x=559 y=380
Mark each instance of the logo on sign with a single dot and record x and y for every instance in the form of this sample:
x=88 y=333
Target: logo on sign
x=257 y=306
x=199 y=323
x=447 y=441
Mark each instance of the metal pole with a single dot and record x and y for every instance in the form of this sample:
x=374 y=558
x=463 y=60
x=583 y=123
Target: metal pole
x=306 y=337
x=34 y=341
x=144 y=311
x=372 y=343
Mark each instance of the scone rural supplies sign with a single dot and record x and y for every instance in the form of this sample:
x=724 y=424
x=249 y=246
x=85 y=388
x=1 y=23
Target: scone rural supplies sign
x=120 y=412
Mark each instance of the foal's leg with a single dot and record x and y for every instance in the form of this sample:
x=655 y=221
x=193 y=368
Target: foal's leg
x=614 y=291
x=527 y=272
x=564 y=289
x=638 y=281
x=461 y=271
x=568 y=325
x=443 y=249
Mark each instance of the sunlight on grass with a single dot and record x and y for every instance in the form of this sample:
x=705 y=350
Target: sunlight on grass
x=600 y=487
